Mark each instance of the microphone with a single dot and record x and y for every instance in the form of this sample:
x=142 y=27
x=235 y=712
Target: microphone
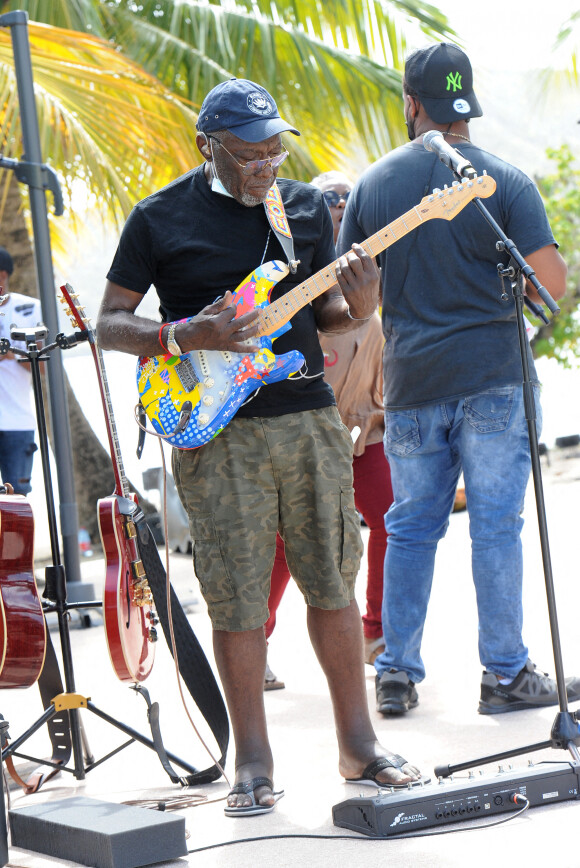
x=434 y=141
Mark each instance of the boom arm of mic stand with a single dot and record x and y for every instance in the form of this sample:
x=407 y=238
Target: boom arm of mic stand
x=527 y=271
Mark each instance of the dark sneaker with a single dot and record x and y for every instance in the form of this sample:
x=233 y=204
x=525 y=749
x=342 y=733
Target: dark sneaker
x=529 y=689
x=396 y=693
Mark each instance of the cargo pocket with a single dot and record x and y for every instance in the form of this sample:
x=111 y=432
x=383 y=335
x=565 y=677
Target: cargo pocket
x=352 y=545
x=208 y=560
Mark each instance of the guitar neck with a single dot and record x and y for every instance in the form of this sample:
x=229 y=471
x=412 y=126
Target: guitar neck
x=81 y=321
x=121 y=483
x=446 y=203
x=279 y=312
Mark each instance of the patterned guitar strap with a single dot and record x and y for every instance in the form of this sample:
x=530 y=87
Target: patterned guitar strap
x=279 y=222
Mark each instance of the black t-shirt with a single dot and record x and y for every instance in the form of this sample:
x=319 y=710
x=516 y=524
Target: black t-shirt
x=193 y=244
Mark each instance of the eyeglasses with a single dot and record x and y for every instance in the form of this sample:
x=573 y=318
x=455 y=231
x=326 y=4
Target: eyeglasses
x=333 y=198
x=254 y=167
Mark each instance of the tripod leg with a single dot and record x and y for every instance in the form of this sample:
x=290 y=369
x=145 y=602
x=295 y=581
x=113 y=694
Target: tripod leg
x=87 y=753
x=137 y=736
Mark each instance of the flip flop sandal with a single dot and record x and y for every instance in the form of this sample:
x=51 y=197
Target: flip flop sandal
x=392 y=761
x=271 y=681
x=372 y=649
x=248 y=788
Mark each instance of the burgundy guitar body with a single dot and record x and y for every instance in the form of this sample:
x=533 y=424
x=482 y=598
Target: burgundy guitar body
x=22 y=626
x=127 y=600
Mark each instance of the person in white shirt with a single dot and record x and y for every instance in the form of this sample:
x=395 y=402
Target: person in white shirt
x=17 y=417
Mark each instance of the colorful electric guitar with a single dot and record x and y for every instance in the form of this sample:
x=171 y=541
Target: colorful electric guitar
x=127 y=600
x=191 y=398
x=22 y=626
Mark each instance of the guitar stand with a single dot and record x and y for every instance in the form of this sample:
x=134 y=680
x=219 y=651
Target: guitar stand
x=565 y=732
x=63 y=711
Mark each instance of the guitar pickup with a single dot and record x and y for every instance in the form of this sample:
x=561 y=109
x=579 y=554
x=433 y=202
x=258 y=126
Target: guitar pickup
x=130 y=529
x=186 y=374
x=138 y=570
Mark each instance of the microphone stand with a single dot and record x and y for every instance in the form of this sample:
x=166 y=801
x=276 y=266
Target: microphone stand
x=565 y=732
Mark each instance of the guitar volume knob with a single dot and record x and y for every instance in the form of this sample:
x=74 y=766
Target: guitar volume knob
x=208 y=382
x=207 y=400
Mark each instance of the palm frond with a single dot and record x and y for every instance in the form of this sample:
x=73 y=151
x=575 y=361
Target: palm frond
x=102 y=117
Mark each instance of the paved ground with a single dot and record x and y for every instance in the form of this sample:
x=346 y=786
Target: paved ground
x=444 y=728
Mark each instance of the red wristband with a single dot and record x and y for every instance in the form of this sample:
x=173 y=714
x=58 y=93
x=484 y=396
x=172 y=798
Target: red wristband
x=163 y=324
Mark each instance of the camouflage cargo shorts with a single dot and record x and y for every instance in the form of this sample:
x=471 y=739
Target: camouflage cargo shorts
x=291 y=473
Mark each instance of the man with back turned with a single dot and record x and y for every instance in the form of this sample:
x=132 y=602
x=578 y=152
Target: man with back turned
x=453 y=386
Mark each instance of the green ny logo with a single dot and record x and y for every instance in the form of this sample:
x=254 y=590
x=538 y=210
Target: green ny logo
x=454 y=81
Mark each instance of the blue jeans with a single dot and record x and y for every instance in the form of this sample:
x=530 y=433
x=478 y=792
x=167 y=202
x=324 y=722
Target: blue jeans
x=17 y=450
x=485 y=436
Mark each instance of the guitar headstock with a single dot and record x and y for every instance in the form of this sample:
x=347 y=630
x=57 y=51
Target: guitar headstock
x=446 y=203
x=75 y=311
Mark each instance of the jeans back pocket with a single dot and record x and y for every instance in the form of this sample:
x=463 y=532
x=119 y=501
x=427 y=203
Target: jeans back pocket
x=490 y=410
x=401 y=431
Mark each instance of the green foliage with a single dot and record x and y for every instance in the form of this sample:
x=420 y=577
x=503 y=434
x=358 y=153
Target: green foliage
x=118 y=84
x=333 y=68
x=561 y=194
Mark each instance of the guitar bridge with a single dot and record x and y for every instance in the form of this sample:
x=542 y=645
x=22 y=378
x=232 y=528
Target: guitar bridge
x=140 y=591
x=187 y=376
x=142 y=597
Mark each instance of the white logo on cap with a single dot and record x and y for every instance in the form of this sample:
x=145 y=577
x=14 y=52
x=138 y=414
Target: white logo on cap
x=461 y=106
x=259 y=104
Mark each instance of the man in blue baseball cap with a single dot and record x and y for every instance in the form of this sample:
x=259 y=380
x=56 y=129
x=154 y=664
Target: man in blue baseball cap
x=283 y=463
x=244 y=108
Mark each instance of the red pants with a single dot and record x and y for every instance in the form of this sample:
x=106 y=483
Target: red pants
x=373 y=496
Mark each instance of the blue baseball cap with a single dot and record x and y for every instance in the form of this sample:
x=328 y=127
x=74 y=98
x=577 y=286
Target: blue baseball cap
x=244 y=108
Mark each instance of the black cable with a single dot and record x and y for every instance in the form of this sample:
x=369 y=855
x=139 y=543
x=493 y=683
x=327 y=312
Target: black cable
x=516 y=798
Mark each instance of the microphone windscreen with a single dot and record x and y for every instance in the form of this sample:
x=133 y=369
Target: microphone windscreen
x=429 y=137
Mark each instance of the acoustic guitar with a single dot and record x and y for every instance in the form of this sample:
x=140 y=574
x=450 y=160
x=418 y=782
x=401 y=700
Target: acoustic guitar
x=127 y=600
x=191 y=398
x=22 y=625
